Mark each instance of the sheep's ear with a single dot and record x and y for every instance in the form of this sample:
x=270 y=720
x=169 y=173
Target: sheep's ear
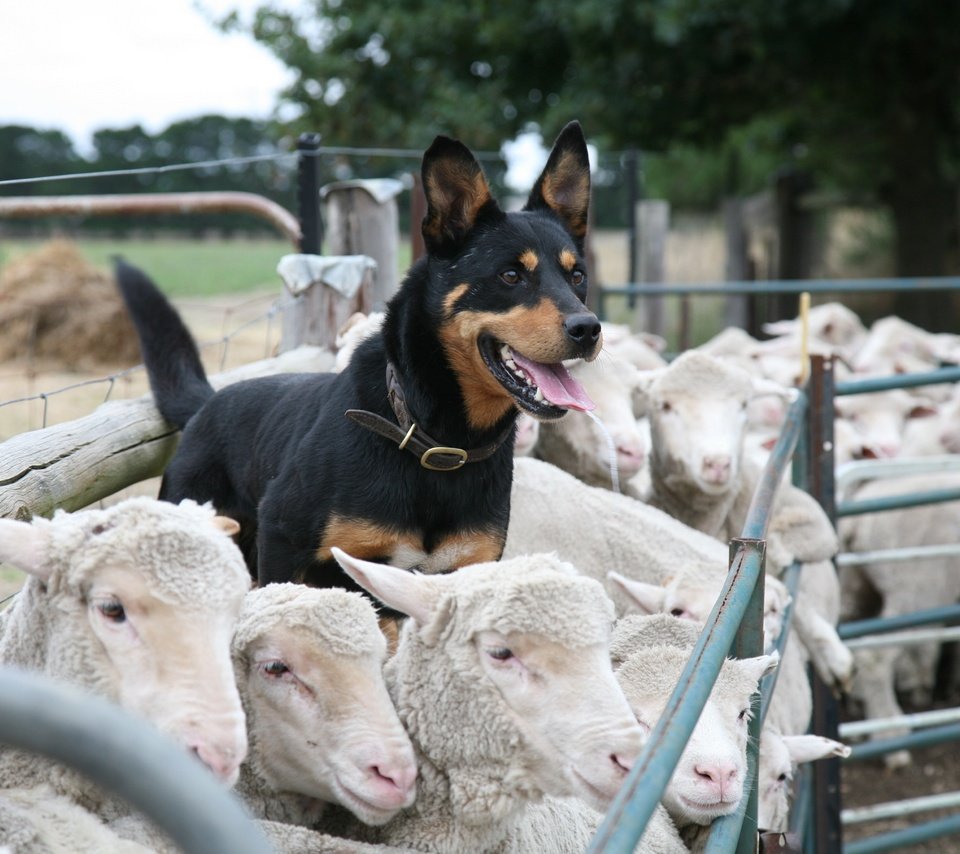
x=231 y=527
x=761 y=665
x=779 y=327
x=648 y=598
x=763 y=387
x=640 y=393
x=26 y=546
x=809 y=748
x=405 y=591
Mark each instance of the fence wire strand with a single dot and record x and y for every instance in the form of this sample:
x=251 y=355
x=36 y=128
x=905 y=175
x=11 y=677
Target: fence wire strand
x=278 y=305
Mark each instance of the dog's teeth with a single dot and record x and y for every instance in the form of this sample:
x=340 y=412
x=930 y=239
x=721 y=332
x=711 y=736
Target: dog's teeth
x=506 y=352
x=510 y=364
x=538 y=396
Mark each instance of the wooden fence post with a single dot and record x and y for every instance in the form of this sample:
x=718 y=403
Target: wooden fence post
x=328 y=289
x=362 y=219
x=737 y=265
x=653 y=221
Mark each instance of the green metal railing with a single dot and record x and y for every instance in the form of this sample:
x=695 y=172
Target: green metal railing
x=735 y=625
x=945 y=615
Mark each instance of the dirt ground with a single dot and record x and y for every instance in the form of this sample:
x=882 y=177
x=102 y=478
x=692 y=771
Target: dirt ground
x=694 y=258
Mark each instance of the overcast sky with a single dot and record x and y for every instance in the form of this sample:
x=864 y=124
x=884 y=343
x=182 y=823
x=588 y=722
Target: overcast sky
x=81 y=65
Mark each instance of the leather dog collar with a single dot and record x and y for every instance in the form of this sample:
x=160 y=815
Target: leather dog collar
x=410 y=437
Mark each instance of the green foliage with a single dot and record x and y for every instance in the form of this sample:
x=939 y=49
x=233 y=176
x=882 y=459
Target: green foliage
x=864 y=93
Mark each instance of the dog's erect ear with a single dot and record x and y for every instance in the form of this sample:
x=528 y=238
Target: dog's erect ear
x=564 y=184
x=456 y=191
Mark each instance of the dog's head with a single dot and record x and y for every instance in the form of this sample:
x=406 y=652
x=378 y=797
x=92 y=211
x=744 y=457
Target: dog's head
x=509 y=288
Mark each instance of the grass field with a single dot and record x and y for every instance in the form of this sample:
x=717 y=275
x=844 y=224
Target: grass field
x=183 y=267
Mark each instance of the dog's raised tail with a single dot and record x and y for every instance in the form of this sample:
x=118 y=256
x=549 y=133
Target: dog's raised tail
x=177 y=378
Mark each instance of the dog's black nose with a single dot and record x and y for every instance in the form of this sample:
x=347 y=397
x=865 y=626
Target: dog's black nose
x=583 y=328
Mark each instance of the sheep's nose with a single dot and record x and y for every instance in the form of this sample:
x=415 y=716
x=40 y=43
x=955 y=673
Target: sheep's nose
x=621 y=763
x=716 y=469
x=721 y=776
x=223 y=762
x=582 y=328
x=401 y=774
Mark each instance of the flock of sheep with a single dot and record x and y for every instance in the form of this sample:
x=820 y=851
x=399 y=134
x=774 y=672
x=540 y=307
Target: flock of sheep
x=520 y=692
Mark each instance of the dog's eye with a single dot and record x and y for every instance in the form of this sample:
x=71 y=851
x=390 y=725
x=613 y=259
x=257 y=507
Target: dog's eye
x=578 y=278
x=510 y=277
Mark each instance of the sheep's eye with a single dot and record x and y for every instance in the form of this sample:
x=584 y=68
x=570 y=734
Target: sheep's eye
x=577 y=278
x=783 y=777
x=500 y=653
x=676 y=612
x=112 y=610
x=665 y=406
x=275 y=668
x=510 y=277
x=743 y=714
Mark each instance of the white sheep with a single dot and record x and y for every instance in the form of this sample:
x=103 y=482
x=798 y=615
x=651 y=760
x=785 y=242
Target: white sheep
x=779 y=757
x=136 y=603
x=526 y=435
x=321 y=725
x=578 y=444
x=710 y=776
x=503 y=680
x=38 y=820
x=877 y=422
x=894 y=346
x=933 y=430
x=690 y=597
x=355 y=330
x=831 y=326
x=932 y=583
x=696 y=408
x=598 y=530
x=640 y=349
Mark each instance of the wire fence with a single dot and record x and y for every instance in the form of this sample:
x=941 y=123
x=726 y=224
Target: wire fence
x=239 y=338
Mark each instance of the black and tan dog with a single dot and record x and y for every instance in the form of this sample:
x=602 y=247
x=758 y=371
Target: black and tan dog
x=406 y=456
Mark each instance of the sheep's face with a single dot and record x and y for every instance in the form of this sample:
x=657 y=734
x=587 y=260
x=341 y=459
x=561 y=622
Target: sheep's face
x=779 y=757
x=569 y=709
x=774 y=783
x=171 y=663
x=697 y=440
x=708 y=780
x=323 y=725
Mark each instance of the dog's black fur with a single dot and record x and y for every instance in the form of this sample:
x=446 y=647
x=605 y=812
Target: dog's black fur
x=277 y=453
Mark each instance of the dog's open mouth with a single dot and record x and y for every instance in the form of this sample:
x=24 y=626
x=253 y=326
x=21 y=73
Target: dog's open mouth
x=546 y=391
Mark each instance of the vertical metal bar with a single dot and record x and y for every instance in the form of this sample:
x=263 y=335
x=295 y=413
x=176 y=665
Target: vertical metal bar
x=631 y=164
x=308 y=193
x=748 y=643
x=827 y=827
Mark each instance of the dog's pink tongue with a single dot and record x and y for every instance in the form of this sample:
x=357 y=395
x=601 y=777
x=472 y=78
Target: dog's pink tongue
x=557 y=385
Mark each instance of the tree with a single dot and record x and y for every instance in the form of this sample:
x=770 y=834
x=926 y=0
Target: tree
x=27 y=152
x=866 y=91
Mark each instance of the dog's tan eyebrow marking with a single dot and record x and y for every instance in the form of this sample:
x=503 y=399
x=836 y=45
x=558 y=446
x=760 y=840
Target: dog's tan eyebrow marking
x=567 y=259
x=529 y=260
x=450 y=300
